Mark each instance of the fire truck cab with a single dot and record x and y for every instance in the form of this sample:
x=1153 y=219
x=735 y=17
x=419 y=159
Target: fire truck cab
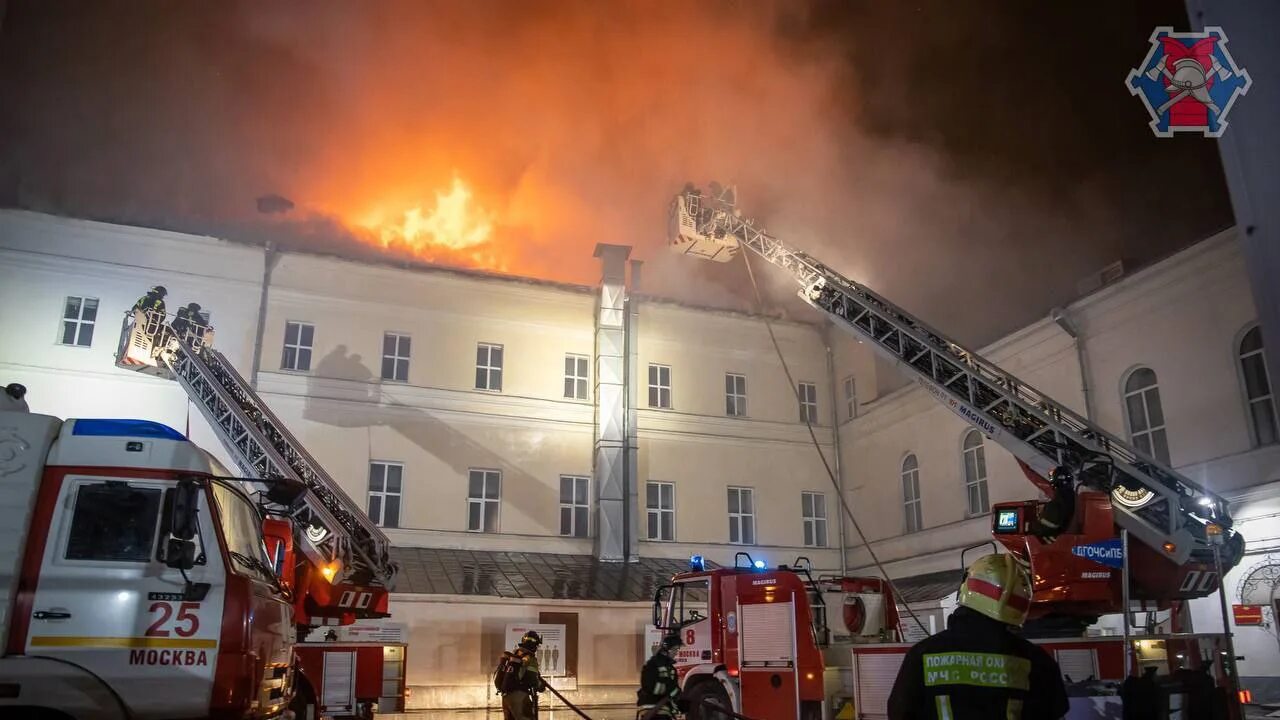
x=751 y=644
x=134 y=582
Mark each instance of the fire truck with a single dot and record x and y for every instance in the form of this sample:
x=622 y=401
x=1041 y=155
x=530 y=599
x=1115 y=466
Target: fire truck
x=333 y=560
x=142 y=580
x=753 y=634
x=135 y=581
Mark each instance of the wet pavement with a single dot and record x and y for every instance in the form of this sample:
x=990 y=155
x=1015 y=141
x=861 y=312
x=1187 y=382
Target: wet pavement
x=597 y=712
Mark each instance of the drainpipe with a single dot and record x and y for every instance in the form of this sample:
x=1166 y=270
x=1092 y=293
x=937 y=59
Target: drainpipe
x=1064 y=321
x=835 y=439
x=631 y=466
x=269 y=259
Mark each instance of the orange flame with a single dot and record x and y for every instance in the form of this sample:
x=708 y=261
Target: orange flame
x=455 y=223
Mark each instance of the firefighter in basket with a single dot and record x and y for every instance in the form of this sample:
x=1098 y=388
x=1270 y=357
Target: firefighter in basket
x=148 y=312
x=519 y=680
x=659 y=690
x=981 y=666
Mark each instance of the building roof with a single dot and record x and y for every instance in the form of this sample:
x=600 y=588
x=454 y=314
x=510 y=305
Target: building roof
x=929 y=586
x=543 y=576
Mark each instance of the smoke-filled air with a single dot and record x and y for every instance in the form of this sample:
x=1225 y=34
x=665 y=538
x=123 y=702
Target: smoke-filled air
x=513 y=137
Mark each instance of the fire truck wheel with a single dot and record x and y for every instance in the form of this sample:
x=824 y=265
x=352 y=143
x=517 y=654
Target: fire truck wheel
x=304 y=701
x=704 y=698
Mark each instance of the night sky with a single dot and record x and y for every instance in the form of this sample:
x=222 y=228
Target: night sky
x=977 y=159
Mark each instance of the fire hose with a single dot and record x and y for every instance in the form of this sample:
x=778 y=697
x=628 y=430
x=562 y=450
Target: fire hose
x=705 y=702
x=568 y=704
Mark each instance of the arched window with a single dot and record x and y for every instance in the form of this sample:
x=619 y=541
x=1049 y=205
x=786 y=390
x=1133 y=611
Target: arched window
x=1145 y=415
x=975 y=473
x=911 y=493
x=1257 y=388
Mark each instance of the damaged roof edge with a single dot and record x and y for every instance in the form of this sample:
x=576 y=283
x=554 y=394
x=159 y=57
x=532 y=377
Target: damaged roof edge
x=377 y=259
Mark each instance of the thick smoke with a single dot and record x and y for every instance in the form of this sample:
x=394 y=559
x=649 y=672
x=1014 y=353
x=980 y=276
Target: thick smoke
x=573 y=123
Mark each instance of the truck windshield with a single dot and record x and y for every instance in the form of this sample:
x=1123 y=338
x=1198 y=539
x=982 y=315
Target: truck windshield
x=242 y=528
x=687 y=602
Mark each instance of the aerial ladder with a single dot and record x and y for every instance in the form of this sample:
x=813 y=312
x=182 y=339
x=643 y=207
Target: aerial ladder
x=349 y=570
x=1184 y=534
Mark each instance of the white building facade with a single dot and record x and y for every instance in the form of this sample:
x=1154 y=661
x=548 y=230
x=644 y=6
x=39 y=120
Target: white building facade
x=459 y=408
x=1169 y=358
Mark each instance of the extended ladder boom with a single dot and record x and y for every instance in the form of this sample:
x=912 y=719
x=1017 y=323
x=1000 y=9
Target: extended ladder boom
x=334 y=531
x=1158 y=506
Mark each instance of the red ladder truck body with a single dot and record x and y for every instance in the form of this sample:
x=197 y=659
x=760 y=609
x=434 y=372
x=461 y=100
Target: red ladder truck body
x=333 y=559
x=1182 y=539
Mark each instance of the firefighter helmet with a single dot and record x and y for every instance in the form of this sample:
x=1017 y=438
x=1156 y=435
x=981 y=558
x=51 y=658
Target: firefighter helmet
x=160 y=290
x=999 y=587
x=531 y=640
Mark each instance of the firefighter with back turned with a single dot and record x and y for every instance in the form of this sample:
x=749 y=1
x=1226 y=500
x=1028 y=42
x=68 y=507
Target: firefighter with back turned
x=980 y=667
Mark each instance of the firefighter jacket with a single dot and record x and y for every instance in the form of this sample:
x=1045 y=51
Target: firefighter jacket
x=150 y=301
x=974 y=670
x=658 y=680
x=530 y=674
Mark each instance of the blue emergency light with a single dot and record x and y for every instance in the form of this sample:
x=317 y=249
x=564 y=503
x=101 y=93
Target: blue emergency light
x=696 y=563
x=759 y=564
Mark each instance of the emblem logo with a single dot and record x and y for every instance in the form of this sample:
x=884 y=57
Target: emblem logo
x=1188 y=82
x=12 y=447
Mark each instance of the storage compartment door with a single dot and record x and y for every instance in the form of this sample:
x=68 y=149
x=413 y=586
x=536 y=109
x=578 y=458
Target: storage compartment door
x=338 y=694
x=768 y=660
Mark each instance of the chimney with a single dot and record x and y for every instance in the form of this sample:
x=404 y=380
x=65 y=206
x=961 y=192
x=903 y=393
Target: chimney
x=614 y=462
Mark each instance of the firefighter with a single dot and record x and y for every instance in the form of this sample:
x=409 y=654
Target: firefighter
x=659 y=686
x=153 y=300
x=522 y=702
x=188 y=324
x=1056 y=514
x=13 y=398
x=182 y=321
x=980 y=666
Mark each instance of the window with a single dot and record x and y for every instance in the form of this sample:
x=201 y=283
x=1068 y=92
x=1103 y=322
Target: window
x=489 y=367
x=1257 y=389
x=79 y=315
x=975 y=473
x=385 y=485
x=911 y=494
x=735 y=395
x=395 y=357
x=574 y=506
x=660 y=504
x=576 y=376
x=850 y=398
x=1145 y=415
x=298 y=337
x=813 y=508
x=242 y=528
x=742 y=517
x=687 y=602
x=113 y=522
x=484 y=493
x=659 y=386
x=808 y=393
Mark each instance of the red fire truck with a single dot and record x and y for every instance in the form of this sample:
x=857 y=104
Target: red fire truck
x=134 y=581
x=140 y=579
x=331 y=558
x=756 y=637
